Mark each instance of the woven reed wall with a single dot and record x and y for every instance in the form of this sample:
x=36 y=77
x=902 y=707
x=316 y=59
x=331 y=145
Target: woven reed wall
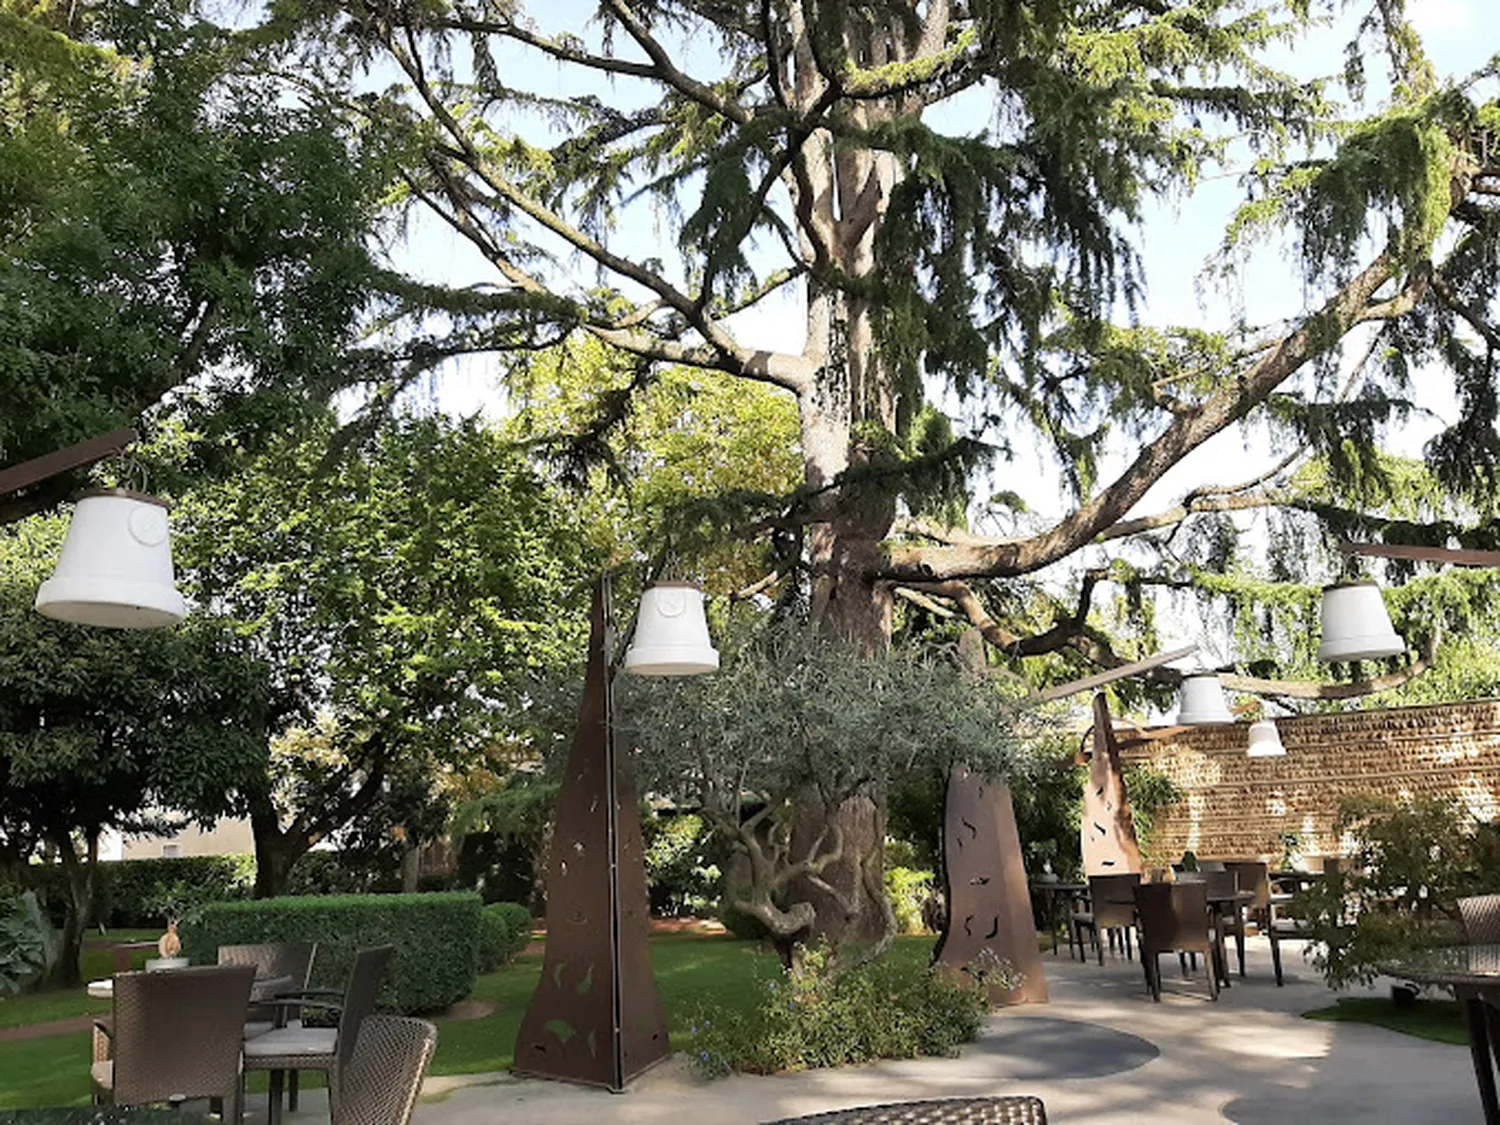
x=1236 y=806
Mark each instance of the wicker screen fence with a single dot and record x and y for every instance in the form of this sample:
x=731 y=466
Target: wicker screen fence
x=1240 y=807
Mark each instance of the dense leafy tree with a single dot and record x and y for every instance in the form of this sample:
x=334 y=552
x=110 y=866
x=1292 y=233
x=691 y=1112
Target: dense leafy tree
x=407 y=598
x=168 y=218
x=130 y=730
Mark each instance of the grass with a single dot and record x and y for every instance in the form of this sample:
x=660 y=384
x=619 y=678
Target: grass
x=1441 y=1020
x=693 y=972
x=62 y=1004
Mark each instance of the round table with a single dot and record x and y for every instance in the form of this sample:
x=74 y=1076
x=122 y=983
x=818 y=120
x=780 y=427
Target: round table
x=1473 y=972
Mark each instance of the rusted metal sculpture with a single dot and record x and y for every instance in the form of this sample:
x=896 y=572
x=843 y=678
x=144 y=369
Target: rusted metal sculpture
x=989 y=905
x=1108 y=829
x=596 y=1017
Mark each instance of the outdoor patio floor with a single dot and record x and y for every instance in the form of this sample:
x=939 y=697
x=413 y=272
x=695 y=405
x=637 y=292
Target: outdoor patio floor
x=1099 y=1052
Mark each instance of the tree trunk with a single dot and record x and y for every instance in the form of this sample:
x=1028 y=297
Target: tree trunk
x=853 y=909
x=275 y=852
x=80 y=873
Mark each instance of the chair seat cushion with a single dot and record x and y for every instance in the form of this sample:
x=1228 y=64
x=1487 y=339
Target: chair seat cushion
x=1290 y=927
x=292 y=1041
x=256 y=1028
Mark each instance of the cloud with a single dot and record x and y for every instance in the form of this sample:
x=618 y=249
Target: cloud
x=1442 y=15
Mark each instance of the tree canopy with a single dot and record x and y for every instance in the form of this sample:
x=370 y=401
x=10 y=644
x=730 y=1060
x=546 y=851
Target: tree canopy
x=807 y=152
x=405 y=599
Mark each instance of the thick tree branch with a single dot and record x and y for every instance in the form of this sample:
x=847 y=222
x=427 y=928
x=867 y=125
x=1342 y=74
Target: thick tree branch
x=1188 y=431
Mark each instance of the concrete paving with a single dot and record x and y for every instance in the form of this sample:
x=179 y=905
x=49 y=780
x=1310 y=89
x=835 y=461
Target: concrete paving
x=1100 y=1052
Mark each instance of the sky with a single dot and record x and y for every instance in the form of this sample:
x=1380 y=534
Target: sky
x=1176 y=238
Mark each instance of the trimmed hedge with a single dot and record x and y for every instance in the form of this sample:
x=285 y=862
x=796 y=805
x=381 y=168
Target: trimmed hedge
x=505 y=930
x=436 y=937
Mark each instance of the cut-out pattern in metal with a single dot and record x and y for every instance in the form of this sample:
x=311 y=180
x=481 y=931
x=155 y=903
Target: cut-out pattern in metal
x=596 y=1016
x=989 y=905
x=1108 y=829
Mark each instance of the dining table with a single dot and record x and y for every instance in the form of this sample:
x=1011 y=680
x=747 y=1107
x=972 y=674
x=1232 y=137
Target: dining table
x=1473 y=973
x=262 y=988
x=1055 y=895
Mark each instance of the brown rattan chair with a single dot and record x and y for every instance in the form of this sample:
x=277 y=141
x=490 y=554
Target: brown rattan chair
x=272 y=959
x=1227 y=920
x=384 y=1075
x=1010 y=1110
x=1253 y=875
x=1481 y=915
x=1282 y=927
x=320 y=1048
x=1111 y=913
x=1174 y=918
x=175 y=1035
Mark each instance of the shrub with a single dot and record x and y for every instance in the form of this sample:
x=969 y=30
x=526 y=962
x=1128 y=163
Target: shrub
x=29 y=946
x=812 y=1018
x=682 y=869
x=146 y=892
x=504 y=930
x=436 y=937
x=1412 y=861
x=908 y=891
x=333 y=873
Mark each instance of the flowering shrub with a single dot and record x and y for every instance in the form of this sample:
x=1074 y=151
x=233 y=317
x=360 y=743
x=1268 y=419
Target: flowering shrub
x=814 y=1018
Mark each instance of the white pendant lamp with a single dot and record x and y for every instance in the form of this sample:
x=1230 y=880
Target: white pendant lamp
x=115 y=568
x=1202 y=700
x=1265 y=740
x=1356 y=625
x=671 y=633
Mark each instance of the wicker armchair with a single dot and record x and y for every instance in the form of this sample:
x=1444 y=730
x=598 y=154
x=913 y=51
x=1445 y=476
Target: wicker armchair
x=273 y=959
x=175 y=1035
x=320 y=1048
x=1012 y=1110
x=384 y=1075
x=1481 y=915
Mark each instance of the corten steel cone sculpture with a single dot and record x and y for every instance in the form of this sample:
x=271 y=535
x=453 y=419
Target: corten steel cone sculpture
x=596 y=1016
x=1108 y=829
x=989 y=904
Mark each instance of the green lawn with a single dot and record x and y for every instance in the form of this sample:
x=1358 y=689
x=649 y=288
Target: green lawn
x=691 y=971
x=1427 y=1019
x=96 y=962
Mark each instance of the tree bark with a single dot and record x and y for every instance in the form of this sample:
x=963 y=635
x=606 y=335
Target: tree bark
x=80 y=873
x=275 y=852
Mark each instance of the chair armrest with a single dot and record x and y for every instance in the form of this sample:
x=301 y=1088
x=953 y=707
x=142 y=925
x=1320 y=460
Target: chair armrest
x=103 y=1040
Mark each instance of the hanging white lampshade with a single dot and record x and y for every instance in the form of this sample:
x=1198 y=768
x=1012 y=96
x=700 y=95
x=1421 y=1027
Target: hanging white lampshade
x=1265 y=740
x=115 y=568
x=1202 y=700
x=671 y=633
x=1356 y=625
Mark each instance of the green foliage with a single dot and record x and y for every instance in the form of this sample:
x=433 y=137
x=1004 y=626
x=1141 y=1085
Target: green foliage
x=682 y=869
x=909 y=891
x=29 y=946
x=333 y=873
x=504 y=930
x=409 y=595
x=1149 y=792
x=791 y=715
x=1412 y=860
x=436 y=937
x=167 y=218
x=149 y=892
x=813 y=1017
